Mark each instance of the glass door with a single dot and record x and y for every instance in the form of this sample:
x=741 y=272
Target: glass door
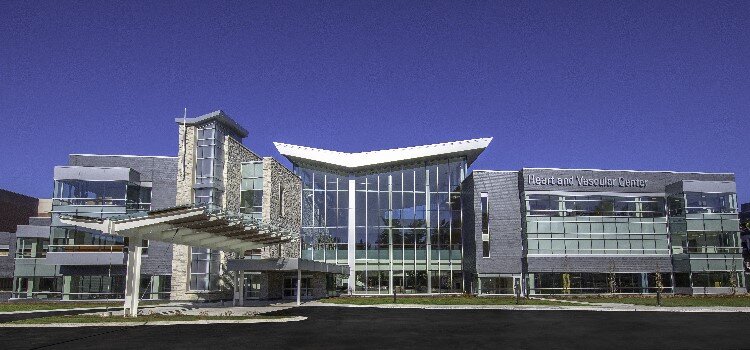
x=252 y=285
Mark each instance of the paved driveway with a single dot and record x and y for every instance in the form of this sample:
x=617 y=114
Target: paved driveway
x=369 y=328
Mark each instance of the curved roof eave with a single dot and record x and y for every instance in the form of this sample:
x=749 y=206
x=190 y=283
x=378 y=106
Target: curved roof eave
x=471 y=149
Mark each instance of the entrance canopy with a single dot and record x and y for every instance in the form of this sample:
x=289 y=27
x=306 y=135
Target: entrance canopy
x=191 y=225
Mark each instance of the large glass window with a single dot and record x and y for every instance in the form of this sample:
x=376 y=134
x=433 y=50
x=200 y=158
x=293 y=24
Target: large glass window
x=205 y=266
x=590 y=283
x=102 y=193
x=404 y=217
x=80 y=192
x=710 y=203
x=705 y=231
x=573 y=224
x=251 y=203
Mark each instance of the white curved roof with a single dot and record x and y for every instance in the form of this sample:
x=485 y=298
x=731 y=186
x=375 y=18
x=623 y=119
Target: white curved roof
x=361 y=160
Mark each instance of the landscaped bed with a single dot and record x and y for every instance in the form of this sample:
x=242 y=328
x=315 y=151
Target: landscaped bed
x=139 y=319
x=61 y=305
x=439 y=300
x=666 y=300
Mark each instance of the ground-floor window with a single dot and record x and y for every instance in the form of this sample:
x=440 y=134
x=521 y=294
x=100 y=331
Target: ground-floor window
x=96 y=287
x=376 y=279
x=155 y=287
x=290 y=287
x=38 y=287
x=717 y=279
x=596 y=283
x=496 y=285
x=205 y=266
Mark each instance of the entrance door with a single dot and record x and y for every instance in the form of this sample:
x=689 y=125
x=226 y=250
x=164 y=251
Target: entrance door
x=252 y=285
x=290 y=288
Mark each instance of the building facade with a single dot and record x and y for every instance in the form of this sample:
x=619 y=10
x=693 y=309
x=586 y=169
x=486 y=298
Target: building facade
x=564 y=231
x=411 y=220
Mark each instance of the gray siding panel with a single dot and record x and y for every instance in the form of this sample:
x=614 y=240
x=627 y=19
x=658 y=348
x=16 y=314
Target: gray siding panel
x=506 y=240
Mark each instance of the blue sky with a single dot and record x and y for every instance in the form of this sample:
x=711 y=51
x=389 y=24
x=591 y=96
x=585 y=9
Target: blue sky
x=652 y=85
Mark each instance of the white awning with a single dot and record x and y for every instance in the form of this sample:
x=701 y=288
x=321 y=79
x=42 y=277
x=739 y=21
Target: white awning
x=193 y=226
x=363 y=160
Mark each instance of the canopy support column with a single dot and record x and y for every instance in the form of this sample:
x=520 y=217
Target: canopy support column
x=239 y=289
x=299 y=284
x=133 y=278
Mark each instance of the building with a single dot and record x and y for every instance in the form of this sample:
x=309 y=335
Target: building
x=411 y=220
x=18 y=215
x=69 y=260
x=562 y=231
x=392 y=216
x=745 y=236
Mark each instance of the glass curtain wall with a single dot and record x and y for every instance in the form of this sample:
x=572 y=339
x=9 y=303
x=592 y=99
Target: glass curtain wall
x=706 y=240
x=573 y=224
x=407 y=227
x=209 y=163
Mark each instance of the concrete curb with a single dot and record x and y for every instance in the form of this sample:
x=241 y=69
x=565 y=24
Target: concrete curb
x=600 y=308
x=154 y=323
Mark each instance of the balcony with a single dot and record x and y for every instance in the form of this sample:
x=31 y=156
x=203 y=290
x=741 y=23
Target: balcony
x=86 y=255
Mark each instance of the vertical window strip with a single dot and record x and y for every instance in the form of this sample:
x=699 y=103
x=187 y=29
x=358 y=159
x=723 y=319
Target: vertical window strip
x=485 y=225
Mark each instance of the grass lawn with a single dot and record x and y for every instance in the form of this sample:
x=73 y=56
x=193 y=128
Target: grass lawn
x=143 y=318
x=60 y=305
x=677 y=300
x=438 y=300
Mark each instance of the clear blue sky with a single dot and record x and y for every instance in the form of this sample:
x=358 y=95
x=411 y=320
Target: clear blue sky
x=652 y=85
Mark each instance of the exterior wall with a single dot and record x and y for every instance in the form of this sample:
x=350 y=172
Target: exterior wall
x=235 y=155
x=184 y=196
x=162 y=173
x=186 y=164
x=277 y=178
x=471 y=233
x=655 y=181
x=7 y=263
x=15 y=209
x=506 y=245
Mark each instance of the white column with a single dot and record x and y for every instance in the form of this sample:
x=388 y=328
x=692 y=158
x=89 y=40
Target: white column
x=351 y=232
x=239 y=289
x=133 y=277
x=299 y=283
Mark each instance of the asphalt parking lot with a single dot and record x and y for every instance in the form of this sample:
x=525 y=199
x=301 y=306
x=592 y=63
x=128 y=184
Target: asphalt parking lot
x=372 y=328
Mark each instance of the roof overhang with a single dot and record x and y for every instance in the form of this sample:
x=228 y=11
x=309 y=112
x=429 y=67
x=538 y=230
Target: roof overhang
x=471 y=149
x=217 y=115
x=193 y=226
x=285 y=264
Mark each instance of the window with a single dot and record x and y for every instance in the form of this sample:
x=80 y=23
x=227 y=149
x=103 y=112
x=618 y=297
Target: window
x=204 y=269
x=281 y=202
x=209 y=155
x=81 y=192
x=710 y=203
x=251 y=201
x=4 y=250
x=485 y=225
x=576 y=224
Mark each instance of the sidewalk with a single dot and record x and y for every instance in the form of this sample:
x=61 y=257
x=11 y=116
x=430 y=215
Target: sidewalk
x=580 y=307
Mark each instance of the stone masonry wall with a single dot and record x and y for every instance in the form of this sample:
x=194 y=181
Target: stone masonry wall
x=185 y=180
x=278 y=179
x=235 y=154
